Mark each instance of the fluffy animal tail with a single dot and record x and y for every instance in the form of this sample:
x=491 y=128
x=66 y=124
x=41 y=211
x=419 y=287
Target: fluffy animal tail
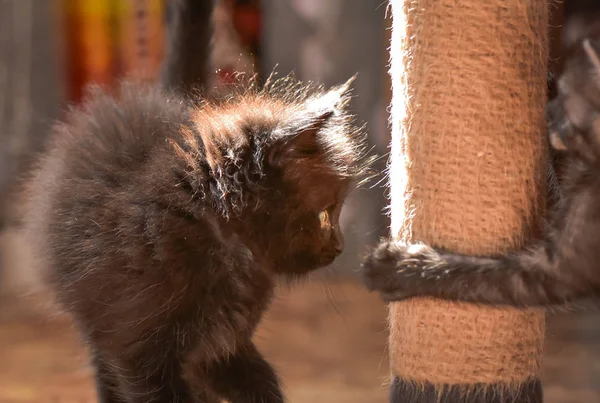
x=187 y=63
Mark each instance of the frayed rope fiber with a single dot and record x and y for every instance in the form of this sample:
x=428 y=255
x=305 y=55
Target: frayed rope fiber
x=468 y=171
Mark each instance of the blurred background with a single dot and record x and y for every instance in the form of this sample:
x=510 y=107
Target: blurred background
x=328 y=337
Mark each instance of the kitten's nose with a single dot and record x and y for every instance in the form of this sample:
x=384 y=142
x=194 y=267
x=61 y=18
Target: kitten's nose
x=339 y=246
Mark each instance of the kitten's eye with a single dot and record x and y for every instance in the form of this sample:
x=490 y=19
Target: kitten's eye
x=324 y=219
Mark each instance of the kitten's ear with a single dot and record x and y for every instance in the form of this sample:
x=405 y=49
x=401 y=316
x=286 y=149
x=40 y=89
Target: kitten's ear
x=301 y=142
x=336 y=99
x=306 y=140
x=302 y=134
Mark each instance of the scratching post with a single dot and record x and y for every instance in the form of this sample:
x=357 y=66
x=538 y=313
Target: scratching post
x=468 y=174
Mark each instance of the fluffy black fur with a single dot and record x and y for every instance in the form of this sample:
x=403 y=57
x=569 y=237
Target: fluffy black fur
x=162 y=222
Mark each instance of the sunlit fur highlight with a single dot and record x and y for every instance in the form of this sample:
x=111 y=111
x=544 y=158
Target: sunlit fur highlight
x=281 y=106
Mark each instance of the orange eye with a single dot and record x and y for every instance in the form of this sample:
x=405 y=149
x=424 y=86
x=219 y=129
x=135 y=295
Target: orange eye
x=324 y=219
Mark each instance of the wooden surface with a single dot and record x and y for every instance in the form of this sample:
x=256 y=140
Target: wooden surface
x=327 y=340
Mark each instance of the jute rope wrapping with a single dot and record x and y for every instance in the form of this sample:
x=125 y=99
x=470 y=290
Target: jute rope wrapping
x=468 y=174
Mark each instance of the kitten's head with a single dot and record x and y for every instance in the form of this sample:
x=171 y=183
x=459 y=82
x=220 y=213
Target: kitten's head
x=282 y=161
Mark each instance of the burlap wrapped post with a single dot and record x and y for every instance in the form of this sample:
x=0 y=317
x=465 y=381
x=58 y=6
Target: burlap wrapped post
x=468 y=173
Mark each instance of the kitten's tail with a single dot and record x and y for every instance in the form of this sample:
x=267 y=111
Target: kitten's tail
x=187 y=63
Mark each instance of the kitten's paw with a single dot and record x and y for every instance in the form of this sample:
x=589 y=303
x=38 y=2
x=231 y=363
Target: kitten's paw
x=381 y=264
x=393 y=268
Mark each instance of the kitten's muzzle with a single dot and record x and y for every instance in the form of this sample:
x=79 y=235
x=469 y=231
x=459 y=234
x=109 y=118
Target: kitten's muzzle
x=338 y=247
x=338 y=242
x=329 y=254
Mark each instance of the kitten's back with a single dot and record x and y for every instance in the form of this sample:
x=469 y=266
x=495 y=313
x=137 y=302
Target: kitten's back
x=110 y=133
x=95 y=154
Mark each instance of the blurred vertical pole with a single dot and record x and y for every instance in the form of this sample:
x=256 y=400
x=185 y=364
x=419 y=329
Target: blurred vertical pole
x=328 y=42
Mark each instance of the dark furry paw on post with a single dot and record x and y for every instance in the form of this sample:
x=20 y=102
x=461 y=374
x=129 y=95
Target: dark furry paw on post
x=381 y=264
x=394 y=269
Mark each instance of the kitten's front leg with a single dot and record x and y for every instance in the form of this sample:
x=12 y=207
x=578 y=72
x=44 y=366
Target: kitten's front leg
x=144 y=379
x=107 y=387
x=399 y=271
x=246 y=378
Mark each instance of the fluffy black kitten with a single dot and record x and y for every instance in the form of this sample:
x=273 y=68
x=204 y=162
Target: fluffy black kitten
x=563 y=267
x=162 y=223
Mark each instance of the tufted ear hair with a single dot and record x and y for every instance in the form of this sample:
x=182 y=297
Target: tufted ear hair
x=300 y=136
x=300 y=141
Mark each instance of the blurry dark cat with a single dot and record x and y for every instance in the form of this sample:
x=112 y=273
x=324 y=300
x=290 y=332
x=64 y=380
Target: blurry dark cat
x=565 y=266
x=162 y=222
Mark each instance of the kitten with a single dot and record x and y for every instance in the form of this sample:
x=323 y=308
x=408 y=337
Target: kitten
x=563 y=267
x=163 y=224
